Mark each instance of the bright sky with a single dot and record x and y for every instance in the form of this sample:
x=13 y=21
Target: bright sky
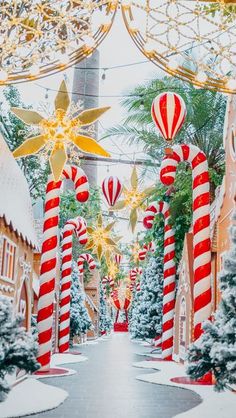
x=117 y=49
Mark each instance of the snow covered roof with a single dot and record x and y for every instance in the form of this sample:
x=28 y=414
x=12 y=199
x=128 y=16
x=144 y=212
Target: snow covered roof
x=15 y=201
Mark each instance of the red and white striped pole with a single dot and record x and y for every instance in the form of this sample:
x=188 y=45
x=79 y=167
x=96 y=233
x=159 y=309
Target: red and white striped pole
x=201 y=224
x=85 y=258
x=79 y=227
x=169 y=274
x=49 y=256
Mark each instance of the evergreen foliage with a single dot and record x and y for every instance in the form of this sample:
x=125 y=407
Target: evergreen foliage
x=146 y=311
x=18 y=348
x=80 y=321
x=215 y=350
x=105 y=321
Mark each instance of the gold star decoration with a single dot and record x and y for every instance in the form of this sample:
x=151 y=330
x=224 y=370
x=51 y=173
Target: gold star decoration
x=112 y=269
x=101 y=242
x=135 y=247
x=134 y=199
x=58 y=131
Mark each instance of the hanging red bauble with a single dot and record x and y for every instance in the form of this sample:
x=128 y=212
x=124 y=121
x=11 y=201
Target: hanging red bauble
x=111 y=188
x=168 y=113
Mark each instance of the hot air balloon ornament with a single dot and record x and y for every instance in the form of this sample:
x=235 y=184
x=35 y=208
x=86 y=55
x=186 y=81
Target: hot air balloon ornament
x=168 y=113
x=111 y=188
x=133 y=198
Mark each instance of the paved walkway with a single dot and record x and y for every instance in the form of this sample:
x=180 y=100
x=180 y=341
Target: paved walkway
x=105 y=386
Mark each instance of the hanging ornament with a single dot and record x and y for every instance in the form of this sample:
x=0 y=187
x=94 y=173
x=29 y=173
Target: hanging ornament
x=168 y=113
x=101 y=242
x=111 y=187
x=118 y=258
x=134 y=199
x=57 y=132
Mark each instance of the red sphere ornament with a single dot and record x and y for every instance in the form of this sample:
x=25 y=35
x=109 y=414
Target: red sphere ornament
x=168 y=113
x=111 y=187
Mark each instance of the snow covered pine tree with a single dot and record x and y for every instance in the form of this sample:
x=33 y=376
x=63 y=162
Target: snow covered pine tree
x=146 y=316
x=18 y=348
x=215 y=350
x=80 y=321
x=105 y=321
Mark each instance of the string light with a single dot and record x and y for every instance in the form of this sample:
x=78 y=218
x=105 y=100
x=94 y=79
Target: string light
x=169 y=34
x=43 y=37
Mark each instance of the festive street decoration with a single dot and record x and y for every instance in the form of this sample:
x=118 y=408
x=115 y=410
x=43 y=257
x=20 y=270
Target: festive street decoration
x=101 y=242
x=147 y=248
x=169 y=284
x=115 y=299
x=168 y=114
x=138 y=287
x=111 y=188
x=79 y=227
x=118 y=258
x=134 y=198
x=201 y=225
x=136 y=271
x=49 y=256
x=50 y=36
x=85 y=258
x=183 y=32
x=113 y=269
x=60 y=131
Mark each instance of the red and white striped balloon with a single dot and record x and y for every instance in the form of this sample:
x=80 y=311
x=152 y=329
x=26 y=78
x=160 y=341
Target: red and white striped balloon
x=169 y=274
x=79 y=227
x=168 y=113
x=85 y=258
x=201 y=225
x=118 y=259
x=49 y=256
x=111 y=188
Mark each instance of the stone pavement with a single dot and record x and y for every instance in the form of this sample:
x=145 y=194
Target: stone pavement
x=105 y=386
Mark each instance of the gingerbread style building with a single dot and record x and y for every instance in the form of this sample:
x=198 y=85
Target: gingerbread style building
x=18 y=241
x=221 y=213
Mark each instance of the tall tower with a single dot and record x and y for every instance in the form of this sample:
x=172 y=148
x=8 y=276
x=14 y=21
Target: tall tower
x=86 y=89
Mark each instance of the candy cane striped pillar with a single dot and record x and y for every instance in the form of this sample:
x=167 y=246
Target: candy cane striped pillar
x=169 y=274
x=201 y=225
x=134 y=272
x=85 y=258
x=79 y=227
x=49 y=254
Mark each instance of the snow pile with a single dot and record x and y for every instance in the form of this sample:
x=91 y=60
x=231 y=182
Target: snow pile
x=66 y=359
x=214 y=404
x=31 y=397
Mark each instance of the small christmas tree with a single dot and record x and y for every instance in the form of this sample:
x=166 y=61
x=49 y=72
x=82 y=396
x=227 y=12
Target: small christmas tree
x=105 y=321
x=80 y=321
x=215 y=350
x=146 y=314
x=18 y=347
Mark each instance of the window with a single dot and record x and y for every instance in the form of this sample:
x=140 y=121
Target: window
x=8 y=259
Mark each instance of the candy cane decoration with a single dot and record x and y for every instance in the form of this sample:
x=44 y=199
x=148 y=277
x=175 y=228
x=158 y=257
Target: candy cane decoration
x=49 y=256
x=138 y=287
x=201 y=225
x=142 y=253
x=79 y=226
x=85 y=258
x=169 y=274
x=134 y=272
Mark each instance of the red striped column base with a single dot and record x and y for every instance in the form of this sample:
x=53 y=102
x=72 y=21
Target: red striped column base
x=52 y=372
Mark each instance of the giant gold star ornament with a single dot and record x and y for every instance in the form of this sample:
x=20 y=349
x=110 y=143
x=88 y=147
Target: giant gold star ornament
x=58 y=131
x=101 y=241
x=134 y=198
x=113 y=269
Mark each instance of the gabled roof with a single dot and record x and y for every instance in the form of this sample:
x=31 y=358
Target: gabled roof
x=15 y=201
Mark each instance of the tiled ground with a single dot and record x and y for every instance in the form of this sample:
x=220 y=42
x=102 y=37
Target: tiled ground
x=105 y=386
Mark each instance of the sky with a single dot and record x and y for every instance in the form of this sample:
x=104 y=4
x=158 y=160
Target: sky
x=117 y=49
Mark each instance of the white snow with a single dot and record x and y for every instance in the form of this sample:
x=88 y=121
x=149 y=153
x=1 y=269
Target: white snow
x=31 y=397
x=214 y=404
x=15 y=202
x=66 y=359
